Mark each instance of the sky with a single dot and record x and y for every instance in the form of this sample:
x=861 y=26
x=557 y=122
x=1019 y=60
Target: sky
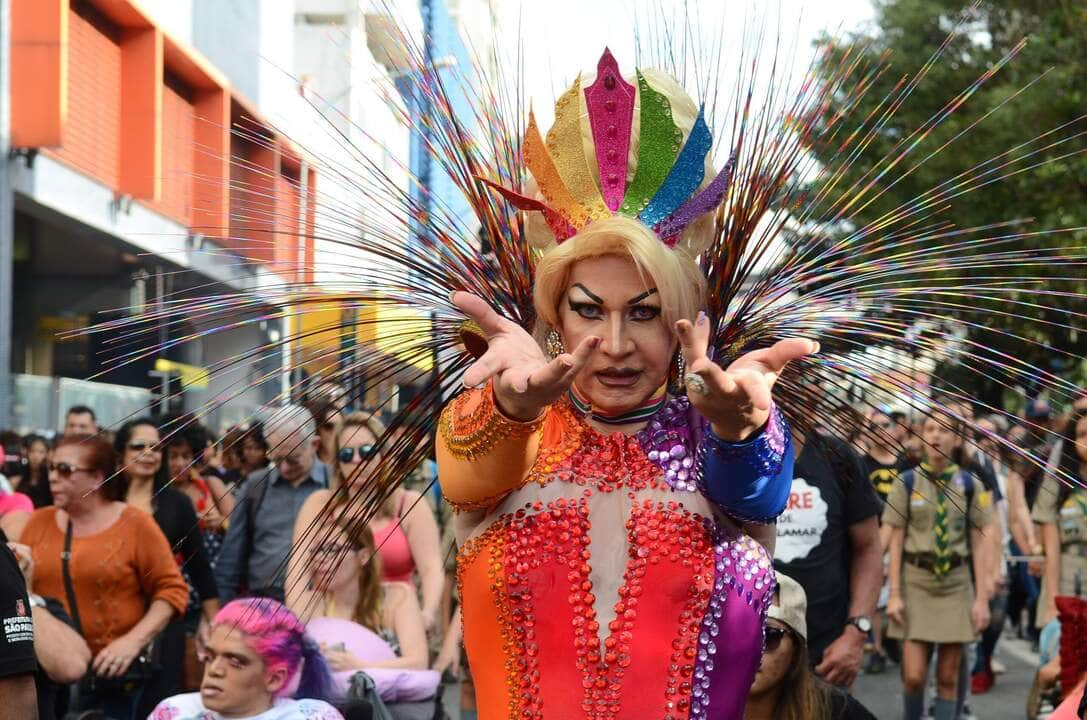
x=562 y=37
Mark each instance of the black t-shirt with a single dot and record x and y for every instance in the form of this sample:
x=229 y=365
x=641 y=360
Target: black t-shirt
x=830 y=493
x=846 y=707
x=177 y=519
x=17 y=637
x=881 y=475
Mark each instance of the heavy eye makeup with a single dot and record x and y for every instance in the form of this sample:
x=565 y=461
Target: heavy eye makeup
x=593 y=308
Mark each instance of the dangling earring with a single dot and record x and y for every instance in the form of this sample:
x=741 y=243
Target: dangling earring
x=553 y=344
x=675 y=377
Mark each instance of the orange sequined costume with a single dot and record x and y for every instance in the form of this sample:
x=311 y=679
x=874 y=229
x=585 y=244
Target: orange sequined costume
x=594 y=582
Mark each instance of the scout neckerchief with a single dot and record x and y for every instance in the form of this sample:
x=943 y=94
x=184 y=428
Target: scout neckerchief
x=941 y=565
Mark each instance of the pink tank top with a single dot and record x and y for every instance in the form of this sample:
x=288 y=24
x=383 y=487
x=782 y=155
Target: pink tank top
x=397 y=564
x=13 y=502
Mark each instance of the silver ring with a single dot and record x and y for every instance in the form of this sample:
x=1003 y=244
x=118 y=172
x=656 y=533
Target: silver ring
x=695 y=383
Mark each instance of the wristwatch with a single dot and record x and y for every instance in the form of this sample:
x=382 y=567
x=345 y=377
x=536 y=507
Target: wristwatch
x=860 y=622
x=37 y=601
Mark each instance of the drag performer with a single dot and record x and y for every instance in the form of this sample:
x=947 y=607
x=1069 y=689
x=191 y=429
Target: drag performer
x=604 y=567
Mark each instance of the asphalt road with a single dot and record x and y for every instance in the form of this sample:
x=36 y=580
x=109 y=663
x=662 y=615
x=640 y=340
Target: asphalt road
x=882 y=694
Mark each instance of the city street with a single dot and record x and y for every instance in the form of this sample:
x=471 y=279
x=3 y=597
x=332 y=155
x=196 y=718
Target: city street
x=882 y=694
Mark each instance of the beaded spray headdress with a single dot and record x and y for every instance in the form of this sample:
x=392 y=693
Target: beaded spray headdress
x=665 y=193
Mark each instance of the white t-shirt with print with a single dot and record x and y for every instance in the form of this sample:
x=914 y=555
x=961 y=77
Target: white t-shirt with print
x=191 y=707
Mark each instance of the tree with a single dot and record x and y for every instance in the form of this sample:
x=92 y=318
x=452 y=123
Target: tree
x=1052 y=67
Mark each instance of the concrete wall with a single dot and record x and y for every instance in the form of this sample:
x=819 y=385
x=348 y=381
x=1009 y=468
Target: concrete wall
x=228 y=32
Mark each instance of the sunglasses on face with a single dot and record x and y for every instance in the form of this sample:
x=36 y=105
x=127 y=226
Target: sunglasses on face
x=774 y=636
x=65 y=470
x=143 y=446
x=347 y=454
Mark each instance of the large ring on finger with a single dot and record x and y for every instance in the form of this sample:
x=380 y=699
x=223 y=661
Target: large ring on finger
x=695 y=383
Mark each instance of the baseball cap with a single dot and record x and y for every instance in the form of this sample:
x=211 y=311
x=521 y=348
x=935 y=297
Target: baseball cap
x=792 y=605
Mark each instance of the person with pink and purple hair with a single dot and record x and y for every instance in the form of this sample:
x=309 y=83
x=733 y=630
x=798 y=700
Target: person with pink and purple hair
x=260 y=665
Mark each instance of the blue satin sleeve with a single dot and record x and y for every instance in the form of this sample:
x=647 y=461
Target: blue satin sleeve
x=749 y=480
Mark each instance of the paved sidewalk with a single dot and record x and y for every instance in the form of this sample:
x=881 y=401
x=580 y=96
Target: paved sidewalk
x=882 y=694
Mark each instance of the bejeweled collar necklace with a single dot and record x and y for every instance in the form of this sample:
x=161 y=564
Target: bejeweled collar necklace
x=584 y=407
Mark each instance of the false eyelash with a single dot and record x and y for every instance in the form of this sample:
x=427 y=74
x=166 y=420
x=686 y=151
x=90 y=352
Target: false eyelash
x=654 y=310
x=579 y=306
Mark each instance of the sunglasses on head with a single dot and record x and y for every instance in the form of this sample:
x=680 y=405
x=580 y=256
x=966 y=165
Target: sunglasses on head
x=142 y=446
x=347 y=454
x=774 y=636
x=65 y=469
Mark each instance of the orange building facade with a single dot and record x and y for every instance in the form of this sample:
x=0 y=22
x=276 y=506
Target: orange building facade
x=98 y=86
x=138 y=173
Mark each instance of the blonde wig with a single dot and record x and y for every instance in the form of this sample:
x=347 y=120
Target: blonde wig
x=677 y=278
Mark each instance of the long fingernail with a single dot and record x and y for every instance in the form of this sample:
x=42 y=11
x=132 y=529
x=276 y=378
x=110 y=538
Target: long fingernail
x=816 y=349
x=594 y=343
x=452 y=294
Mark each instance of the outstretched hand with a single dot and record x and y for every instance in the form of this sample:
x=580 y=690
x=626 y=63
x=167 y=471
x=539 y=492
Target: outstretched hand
x=735 y=400
x=525 y=381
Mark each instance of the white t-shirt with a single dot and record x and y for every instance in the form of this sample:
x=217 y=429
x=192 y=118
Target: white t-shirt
x=191 y=707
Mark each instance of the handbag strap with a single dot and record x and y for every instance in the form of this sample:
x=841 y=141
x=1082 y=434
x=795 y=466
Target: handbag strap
x=69 y=590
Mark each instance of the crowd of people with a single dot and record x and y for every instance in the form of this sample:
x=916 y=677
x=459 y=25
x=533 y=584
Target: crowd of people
x=949 y=537
x=136 y=543
x=913 y=544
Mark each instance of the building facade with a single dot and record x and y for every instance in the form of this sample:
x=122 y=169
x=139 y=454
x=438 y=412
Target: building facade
x=165 y=149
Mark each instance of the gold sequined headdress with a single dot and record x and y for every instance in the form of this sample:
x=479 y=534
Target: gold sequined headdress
x=664 y=192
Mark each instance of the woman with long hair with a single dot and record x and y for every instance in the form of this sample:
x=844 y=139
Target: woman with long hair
x=785 y=686
x=346 y=578
x=186 y=442
x=404 y=529
x=938 y=514
x=125 y=583
x=144 y=476
x=261 y=666
x=35 y=483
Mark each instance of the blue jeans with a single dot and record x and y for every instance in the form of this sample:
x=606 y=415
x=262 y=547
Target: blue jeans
x=1049 y=642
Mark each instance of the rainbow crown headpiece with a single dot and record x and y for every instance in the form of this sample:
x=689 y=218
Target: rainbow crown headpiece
x=664 y=192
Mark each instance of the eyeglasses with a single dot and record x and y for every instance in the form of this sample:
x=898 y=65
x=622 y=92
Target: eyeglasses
x=366 y=452
x=65 y=469
x=142 y=446
x=292 y=460
x=333 y=549
x=774 y=636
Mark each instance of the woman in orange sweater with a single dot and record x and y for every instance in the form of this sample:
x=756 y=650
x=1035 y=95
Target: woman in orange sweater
x=125 y=583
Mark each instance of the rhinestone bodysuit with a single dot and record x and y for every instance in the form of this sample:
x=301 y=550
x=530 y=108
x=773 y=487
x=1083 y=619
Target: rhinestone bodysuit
x=605 y=584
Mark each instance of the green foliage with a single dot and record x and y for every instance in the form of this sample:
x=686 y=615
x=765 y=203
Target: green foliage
x=1053 y=63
